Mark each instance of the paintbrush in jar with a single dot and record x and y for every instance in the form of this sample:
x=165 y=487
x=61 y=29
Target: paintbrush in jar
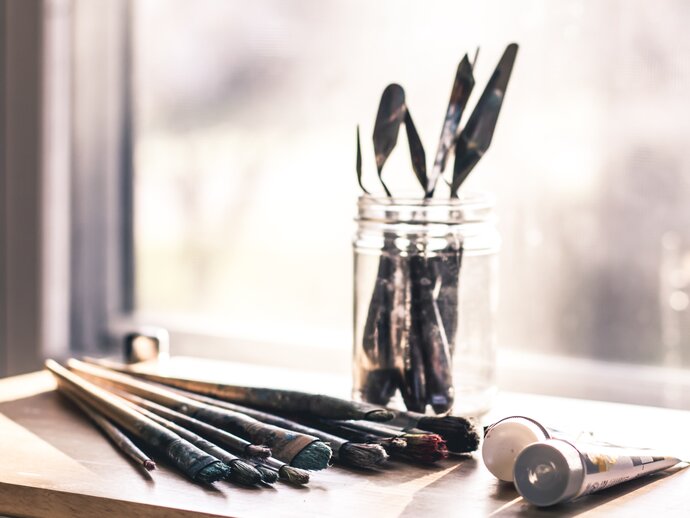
x=111 y=431
x=357 y=455
x=390 y=116
x=460 y=94
x=258 y=454
x=475 y=138
x=290 y=401
x=297 y=449
x=193 y=462
x=433 y=342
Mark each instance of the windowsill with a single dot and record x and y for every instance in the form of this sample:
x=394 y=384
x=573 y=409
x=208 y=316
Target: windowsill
x=330 y=354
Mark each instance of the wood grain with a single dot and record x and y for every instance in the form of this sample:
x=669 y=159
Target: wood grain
x=54 y=463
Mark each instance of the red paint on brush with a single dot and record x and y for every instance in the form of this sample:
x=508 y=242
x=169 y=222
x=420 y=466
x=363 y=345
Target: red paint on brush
x=427 y=448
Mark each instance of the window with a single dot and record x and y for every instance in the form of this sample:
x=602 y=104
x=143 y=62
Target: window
x=241 y=118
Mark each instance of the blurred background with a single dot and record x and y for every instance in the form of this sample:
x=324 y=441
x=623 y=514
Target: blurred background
x=200 y=167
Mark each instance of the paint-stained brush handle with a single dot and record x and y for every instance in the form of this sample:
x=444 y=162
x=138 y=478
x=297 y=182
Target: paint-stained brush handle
x=193 y=462
x=273 y=399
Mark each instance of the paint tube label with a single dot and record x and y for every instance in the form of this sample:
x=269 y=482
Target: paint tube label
x=606 y=466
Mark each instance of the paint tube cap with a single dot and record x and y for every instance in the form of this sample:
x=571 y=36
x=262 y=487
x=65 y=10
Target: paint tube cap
x=549 y=472
x=505 y=439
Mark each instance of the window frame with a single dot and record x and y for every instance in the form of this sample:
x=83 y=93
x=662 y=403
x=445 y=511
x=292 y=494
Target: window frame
x=22 y=278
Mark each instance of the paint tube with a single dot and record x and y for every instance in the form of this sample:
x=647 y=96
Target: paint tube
x=505 y=439
x=555 y=471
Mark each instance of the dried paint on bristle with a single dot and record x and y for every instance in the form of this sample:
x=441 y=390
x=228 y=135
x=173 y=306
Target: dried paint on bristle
x=461 y=435
x=314 y=456
x=362 y=455
x=149 y=465
x=427 y=447
x=213 y=473
x=379 y=416
x=268 y=476
x=243 y=473
x=292 y=475
x=394 y=443
x=255 y=450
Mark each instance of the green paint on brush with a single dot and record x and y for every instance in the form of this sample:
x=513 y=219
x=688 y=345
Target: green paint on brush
x=213 y=472
x=314 y=456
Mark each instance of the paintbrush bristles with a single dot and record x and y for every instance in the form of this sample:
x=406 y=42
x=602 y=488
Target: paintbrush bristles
x=213 y=473
x=394 y=443
x=367 y=456
x=294 y=475
x=268 y=476
x=314 y=456
x=461 y=435
x=426 y=447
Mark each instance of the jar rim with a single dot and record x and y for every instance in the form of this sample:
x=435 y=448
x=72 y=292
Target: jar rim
x=472 y=206
x=470 y=198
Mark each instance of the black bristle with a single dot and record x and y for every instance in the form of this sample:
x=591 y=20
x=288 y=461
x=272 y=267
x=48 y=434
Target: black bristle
x=461 y=434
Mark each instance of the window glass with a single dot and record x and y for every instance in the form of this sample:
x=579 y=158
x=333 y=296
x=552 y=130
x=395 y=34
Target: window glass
x=245 y=149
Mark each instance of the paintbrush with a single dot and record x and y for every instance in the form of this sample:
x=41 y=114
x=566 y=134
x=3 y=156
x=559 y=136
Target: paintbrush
x=193 y=462
x=421 y=446
x=461 y=435
x=390 y=116
x=233 y=442
x=240 y=471
x=358 y=164
x=475 y=138
x=352 y=434
x=116 y=435
x=433 y=342
x=287 y=473
x=259 y=454
x=358 y=455
x=445 y=268
x=268 y=476
x=459 y=95
x=380 y=383
x=270 y=399
x=299 y=450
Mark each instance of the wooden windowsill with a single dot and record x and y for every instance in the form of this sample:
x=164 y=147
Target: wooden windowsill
x=54 y=463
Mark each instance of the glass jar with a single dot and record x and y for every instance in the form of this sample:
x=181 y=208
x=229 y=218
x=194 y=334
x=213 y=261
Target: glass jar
x=425 y=299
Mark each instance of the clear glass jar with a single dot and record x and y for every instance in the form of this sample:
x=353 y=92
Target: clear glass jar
x=425 y=299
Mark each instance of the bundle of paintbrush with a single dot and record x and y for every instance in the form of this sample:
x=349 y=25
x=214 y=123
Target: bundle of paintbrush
x=334 y=416
x=411 y=323
x=207 y=443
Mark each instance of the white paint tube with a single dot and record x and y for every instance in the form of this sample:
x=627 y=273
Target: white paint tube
x=505 y=439
x=555 y=471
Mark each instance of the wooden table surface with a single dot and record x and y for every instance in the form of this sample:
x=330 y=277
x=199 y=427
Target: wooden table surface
x=54 y=463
